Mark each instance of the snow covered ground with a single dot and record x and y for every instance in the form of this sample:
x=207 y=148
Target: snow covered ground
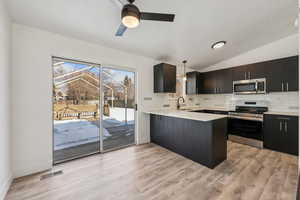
x=70 y=133
x=118 y=114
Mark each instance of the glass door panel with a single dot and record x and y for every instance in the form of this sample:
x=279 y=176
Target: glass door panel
x=76 y=100
x=118 y=119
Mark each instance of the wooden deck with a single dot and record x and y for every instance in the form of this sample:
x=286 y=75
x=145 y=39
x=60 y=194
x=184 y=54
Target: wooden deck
x=121 y=136
x=151 y=172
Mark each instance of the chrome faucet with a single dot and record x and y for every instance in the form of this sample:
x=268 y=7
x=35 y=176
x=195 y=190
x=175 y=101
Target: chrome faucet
x=178 y=104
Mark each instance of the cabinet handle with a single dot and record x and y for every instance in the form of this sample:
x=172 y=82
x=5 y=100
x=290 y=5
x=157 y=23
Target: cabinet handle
x=280 y=125
x=245 y=75
x=215 y=90
x=286 y=127
x=282 y=87
x=249 y=75
x=287 y=86
x=283 y=118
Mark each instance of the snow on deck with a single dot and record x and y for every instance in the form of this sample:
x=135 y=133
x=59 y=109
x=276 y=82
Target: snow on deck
x=70 y=133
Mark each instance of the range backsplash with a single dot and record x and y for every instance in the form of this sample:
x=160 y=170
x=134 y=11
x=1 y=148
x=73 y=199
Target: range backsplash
x=281 y=101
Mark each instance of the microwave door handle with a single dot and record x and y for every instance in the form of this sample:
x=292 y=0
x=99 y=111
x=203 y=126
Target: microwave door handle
x=256 y=86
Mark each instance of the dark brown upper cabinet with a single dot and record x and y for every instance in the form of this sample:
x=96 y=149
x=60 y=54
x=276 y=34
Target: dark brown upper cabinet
x=283 y=74
x=209 y=83
x=194 y=82
x=251 y=71
x=240 y=73
x=217 y=82
x=224 y=81
x=164 y=78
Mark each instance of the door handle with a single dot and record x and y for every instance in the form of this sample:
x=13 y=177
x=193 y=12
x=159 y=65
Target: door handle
x=286 y=127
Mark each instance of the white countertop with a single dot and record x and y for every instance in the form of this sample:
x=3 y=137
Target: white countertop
x=187 y=115
x=281 y=113
x=206 y=108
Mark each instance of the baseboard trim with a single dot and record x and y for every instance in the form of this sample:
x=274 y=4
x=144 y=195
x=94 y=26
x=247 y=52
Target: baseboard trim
x=5 y=187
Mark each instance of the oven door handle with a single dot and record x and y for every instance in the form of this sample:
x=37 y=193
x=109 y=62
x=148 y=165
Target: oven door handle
x=245 y=118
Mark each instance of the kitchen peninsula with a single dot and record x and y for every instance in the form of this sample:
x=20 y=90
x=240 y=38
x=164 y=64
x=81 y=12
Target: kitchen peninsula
x=200 y=137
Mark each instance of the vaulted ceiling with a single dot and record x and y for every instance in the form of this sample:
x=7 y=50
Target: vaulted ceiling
x=245 y=25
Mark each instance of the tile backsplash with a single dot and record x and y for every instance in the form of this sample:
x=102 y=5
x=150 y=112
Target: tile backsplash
x=281 y=101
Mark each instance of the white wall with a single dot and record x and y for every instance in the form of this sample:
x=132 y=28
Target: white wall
x=5 y=42
x=279 y=49
x=32 y=90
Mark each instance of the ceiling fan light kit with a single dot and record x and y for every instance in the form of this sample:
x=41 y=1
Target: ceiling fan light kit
x=131 y=17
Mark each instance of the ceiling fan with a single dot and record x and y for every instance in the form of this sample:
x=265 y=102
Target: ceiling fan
x=131 y=17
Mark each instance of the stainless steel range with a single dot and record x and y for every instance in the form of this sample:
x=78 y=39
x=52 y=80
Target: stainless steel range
x=245 y=124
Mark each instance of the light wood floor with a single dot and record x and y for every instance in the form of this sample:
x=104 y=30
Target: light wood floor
x=151 y=172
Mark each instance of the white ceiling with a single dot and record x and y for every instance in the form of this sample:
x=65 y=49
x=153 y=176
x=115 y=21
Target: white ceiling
x=245 y=25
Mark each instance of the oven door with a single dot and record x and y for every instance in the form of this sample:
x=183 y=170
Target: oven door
x=245 y=128
x=245 y=87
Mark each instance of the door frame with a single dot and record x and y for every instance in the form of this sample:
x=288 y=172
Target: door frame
x=101 y=103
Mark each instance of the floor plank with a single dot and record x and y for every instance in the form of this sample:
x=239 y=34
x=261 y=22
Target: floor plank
x=152 y=172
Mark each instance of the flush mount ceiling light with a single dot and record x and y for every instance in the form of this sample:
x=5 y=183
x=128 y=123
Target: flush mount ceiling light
x=218 y=45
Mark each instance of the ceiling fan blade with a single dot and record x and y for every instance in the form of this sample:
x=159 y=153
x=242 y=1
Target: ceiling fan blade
x=121 y=30
x=157 y=17
x=118 y=3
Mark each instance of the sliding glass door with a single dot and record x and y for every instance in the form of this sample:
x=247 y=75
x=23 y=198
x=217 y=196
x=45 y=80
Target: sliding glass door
x=76 y=100
x=118 y=116
x=93 y=109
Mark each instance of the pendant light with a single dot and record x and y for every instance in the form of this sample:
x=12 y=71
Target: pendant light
x=184 y=70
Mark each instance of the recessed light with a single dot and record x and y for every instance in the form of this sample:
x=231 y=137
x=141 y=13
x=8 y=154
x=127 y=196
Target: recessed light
x=218 y=45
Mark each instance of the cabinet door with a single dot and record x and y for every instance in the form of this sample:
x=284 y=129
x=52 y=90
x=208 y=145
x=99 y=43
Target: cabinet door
x=256 y=71
x=191 y=83
x=224 y=81
x=158 y=78
x=290 y=66
x=169 y=78
x=291 y=127
x=275 y=76
x=240 y=73
x=209 y=83
x=273 y=136
x=281 y=133
x=154 y=128
x=168 y=132
x=163 y=136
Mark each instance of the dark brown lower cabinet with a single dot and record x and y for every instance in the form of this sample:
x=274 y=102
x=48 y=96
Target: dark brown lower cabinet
x=202 y=142
x=281 y=133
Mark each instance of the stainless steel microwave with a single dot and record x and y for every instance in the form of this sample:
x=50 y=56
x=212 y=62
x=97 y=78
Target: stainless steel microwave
x=252 y=86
